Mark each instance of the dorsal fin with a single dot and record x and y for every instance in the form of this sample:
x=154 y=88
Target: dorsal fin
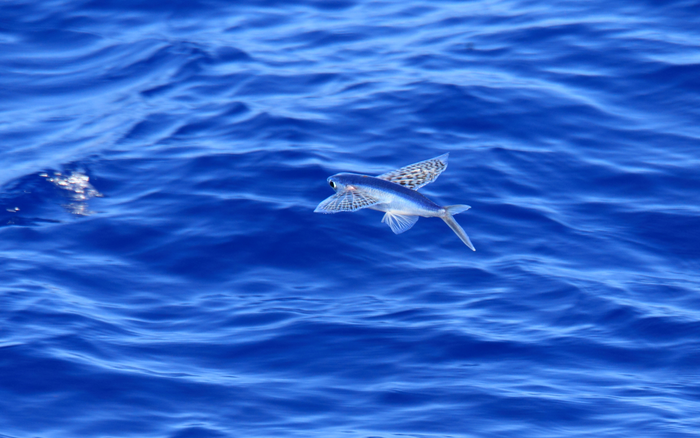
x=419 y=174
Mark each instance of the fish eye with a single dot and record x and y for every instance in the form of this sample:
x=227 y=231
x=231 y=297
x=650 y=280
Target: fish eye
x=332 y=184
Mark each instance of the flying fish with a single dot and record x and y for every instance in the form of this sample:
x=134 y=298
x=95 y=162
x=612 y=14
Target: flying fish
x=395 y=193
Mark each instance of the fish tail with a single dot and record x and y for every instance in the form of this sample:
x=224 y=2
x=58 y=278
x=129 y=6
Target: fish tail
x=451 y=210
x=456 y=209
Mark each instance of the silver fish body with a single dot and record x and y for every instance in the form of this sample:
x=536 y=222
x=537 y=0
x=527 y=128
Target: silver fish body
x=392 y=197
x=394 y=193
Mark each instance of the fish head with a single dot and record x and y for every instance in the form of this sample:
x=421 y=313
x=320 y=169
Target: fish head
x=341 y=182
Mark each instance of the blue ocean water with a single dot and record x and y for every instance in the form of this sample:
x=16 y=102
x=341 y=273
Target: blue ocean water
x=163 y=273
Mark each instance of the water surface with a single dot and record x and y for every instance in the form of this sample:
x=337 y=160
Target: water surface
x=163 y=273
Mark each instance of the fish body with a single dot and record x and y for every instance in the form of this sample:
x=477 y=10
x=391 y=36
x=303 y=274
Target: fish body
x=395 y=193
x=392 y=197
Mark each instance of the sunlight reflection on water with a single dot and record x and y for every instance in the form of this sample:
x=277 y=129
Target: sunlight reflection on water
x=78 y=189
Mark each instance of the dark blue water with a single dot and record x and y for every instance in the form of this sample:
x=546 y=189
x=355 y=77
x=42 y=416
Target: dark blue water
x=162 y=273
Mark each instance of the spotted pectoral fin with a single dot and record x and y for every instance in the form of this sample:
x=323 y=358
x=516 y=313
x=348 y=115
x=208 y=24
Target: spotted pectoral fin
x=349 y=200
x=399 y=223
x=417 y=175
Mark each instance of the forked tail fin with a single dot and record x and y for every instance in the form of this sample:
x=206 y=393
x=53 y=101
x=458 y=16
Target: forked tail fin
x=449 y=220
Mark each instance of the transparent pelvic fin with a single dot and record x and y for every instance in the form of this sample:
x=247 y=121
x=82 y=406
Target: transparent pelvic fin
x=399 y=223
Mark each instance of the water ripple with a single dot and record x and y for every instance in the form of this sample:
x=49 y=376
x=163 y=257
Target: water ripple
x=201 y=297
